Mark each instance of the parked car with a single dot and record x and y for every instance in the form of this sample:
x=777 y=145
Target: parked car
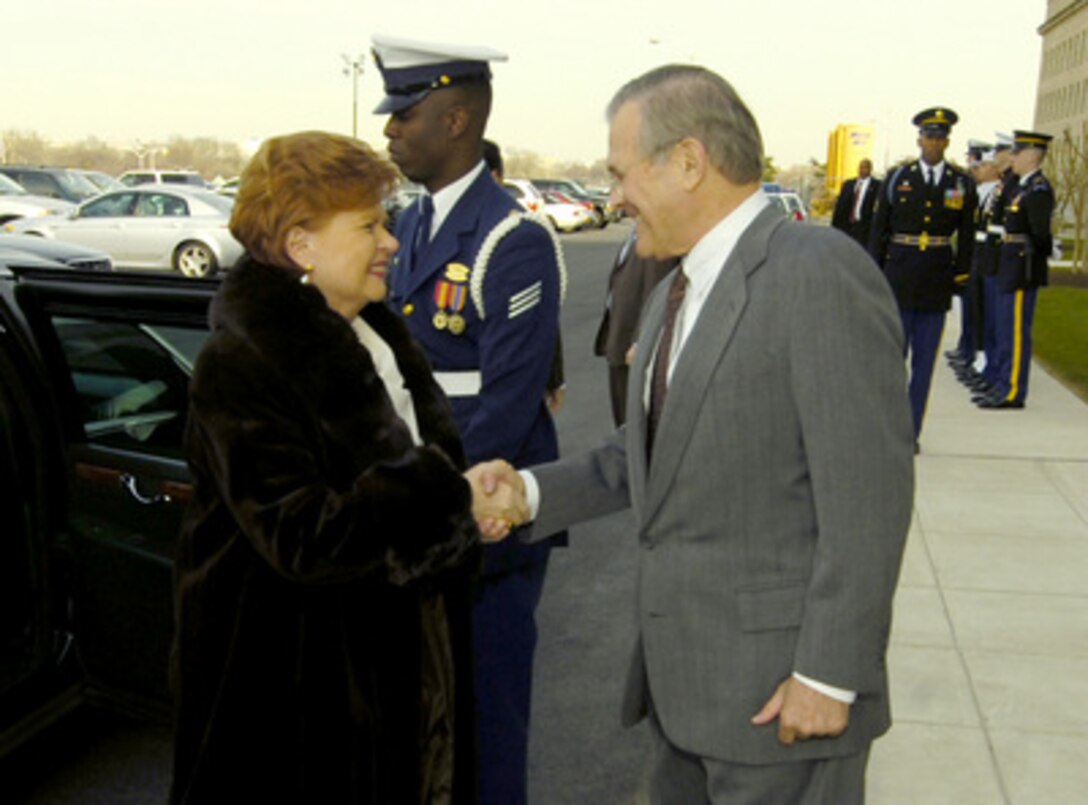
x=566 y=215
x=16 y=202
x=103 y=181
x=399 y=200
x=62 y=183
x=790 y=204
x=150 y=226
x=524 y=193
x=17 y=248
x=94 y=370
x=228 y=187
x=172 y=177
x=578 y=194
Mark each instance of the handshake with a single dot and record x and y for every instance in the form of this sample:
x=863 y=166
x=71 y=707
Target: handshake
x=498 y=499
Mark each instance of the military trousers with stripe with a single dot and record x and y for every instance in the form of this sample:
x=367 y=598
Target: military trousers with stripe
x=1013 y=317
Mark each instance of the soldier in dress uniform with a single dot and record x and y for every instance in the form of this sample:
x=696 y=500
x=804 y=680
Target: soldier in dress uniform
x=989 y=251
x=1021 y=270
x=922 y=237
x=479 y=283
x=969 y=288
x=965 y=358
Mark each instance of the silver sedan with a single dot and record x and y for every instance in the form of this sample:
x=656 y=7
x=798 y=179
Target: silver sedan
x=178 y=229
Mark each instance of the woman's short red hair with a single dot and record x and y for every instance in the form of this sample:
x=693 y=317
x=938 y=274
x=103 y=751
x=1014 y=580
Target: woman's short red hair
x=303 y=179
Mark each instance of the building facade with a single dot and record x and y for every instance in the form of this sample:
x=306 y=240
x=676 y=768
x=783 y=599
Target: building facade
x=1061 y=103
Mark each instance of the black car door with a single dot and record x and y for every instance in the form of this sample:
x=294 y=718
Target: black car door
x=117 y=353
x=38 y=679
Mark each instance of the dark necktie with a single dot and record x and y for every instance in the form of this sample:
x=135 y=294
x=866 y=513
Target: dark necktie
x=659 y=384
x=423 y=228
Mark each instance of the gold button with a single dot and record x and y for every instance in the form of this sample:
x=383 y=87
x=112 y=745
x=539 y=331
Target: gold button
x=408 y=309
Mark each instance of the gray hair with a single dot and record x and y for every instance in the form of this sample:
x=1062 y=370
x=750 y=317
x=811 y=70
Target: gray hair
x=678 y=101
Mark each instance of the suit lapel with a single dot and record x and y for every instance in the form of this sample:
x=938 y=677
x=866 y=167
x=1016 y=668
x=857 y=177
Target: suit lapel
x=702 y=353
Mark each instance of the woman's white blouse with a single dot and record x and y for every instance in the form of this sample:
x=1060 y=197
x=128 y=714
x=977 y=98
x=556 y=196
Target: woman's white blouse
x=386 y=364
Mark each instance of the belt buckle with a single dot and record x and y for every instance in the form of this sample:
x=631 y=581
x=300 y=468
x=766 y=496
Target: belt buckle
x=923 y=241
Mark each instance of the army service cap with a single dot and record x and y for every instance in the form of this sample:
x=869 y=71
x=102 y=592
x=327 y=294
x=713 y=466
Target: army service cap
x=936 y=120
x=1030 y=139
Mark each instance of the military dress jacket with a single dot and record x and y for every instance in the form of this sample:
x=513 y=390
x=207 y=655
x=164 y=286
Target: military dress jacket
x=322 y=649
x=510 y=344
x=1028 y=241
x=923 y=273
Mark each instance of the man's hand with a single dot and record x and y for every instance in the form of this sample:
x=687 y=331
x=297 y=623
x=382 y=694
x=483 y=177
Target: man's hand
x=803 y=713
x=498 y=499
x=555 y=399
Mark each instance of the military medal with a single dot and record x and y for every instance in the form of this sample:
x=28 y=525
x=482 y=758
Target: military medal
x=450 y=296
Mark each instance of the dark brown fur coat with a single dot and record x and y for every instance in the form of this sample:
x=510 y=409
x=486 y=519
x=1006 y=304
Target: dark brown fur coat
x=322 y=648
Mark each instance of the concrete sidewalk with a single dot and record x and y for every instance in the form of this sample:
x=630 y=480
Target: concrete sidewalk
x=989 y=650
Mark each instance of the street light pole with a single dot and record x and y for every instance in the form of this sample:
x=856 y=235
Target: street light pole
x=353 y=66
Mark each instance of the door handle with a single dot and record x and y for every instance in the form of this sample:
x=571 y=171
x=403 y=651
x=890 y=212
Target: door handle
x=129 y=483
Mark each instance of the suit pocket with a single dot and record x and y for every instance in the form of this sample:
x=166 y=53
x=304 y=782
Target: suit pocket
x=767 y=608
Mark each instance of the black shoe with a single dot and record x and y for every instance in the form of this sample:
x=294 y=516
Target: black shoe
x=979 y=385
x=990 y=395
x=996 y=401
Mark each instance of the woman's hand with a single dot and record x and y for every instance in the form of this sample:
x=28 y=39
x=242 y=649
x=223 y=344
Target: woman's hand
x=498 y=499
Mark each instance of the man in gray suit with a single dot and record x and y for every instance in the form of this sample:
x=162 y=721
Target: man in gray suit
x=772 y=486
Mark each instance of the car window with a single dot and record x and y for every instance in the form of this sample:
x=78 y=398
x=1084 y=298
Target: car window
x=76 y=186
x=131 y=381
x=39 y=184
x=183 y=178
x=161 y=205
x=111 y=206
x=132 y=179
x=10 y=187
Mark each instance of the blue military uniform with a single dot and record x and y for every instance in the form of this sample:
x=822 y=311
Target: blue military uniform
x=969 y=288
x=482 y=296
x=922 y=238
x=1022 y=268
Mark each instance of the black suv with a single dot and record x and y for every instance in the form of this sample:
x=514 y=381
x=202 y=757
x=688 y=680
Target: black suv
x=94 y=373
x=52 y=182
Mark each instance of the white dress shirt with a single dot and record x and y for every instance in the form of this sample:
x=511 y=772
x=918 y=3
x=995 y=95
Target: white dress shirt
x=445 y=199
x=386 y=364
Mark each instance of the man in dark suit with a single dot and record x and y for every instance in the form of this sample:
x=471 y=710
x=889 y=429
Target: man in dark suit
x=854 y=207
x=632 y=280
x=767 y=457
x=479 y=285
x=923 y=236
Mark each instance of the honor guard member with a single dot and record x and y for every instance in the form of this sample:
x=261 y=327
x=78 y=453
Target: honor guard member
x=1021 y=269
x=990 y=253
x=969 y=288
x=479 y=283
x=923 y=231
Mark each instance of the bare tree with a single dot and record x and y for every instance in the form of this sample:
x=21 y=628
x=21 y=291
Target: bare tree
x=24 y=148
x=1069 y=172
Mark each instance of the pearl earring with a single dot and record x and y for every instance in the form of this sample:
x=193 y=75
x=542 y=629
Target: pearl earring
x=307 y=269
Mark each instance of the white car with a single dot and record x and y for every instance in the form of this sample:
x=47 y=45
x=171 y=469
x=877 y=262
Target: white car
x=150 y=226
x=16 y=202
x=566 y=216
x=139 y=177
x=524 y=193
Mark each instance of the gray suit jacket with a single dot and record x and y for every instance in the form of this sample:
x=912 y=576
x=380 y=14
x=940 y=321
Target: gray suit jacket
x=772 y=521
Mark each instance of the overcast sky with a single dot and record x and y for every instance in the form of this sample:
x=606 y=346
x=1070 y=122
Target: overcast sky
x=242 y=70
